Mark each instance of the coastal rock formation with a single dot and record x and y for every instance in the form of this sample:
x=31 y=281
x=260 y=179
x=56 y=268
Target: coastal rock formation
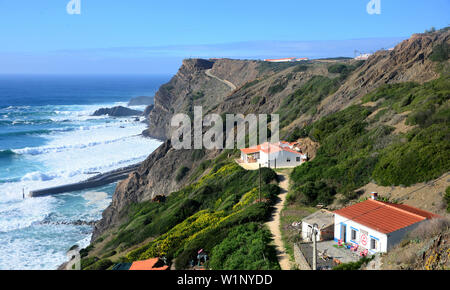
x=118 y=111
x=140 y=101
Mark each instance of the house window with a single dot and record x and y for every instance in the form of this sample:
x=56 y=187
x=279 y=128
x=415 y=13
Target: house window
x=373 y=244
x=298 y=159
x=353 y=235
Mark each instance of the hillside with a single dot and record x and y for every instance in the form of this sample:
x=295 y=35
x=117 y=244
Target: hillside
x=384 y=121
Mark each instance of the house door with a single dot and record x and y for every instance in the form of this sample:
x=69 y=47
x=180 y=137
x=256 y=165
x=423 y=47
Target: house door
x=344 y=233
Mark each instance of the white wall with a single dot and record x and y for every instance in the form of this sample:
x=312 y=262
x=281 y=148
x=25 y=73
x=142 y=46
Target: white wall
x=323 y=234
x=396 y=237
x=381 y=238
x=281 y=159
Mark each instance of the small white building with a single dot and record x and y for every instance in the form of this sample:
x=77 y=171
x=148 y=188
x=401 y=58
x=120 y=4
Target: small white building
x=377 y=226
x=325 y=223
x=277 y=155
x=288 y=59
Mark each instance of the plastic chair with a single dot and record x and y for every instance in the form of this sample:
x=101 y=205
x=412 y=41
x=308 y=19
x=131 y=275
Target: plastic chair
x=364 y=253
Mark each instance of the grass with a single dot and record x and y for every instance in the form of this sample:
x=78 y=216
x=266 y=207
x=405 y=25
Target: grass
x=290 y=235
x=306 y=98
x=197 y=217
x=352 y=154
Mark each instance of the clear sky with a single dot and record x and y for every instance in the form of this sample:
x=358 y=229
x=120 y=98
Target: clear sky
x=149 y=36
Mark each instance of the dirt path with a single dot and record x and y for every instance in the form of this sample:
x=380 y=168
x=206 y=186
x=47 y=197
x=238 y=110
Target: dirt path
x=228 y=83
x=274 y=224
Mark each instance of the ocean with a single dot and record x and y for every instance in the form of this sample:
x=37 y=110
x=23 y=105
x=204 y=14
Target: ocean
x=48 y=138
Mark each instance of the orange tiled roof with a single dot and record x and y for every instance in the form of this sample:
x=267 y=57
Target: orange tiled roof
x=384 y=217
x=147 y=265
x=273 y=148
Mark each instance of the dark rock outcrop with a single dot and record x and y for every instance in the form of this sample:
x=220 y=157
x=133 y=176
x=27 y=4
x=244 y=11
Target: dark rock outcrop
x=117 y=112
x=140 y=101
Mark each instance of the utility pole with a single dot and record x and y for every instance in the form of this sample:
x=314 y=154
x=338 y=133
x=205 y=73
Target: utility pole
x=260 y=182
x=314 y=234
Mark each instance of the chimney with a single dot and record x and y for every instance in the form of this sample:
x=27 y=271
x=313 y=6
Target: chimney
x=374 y=195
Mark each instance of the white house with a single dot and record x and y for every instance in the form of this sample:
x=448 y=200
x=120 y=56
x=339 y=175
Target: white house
x=325 y=223
x=274 y=155
x=375 y=225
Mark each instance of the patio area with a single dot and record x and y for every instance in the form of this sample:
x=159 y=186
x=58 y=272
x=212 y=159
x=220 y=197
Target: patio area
x=342 y=254
x=329 y=254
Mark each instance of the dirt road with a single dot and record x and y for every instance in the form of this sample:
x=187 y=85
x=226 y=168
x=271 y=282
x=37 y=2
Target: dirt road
x=228 y=83
x=274 y=224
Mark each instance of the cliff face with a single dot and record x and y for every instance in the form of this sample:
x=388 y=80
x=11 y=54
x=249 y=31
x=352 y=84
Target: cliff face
x=198 y=82
x=260 y=88
x=407 y=62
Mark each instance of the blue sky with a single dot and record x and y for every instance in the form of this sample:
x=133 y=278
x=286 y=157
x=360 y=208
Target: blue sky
x=148 y=36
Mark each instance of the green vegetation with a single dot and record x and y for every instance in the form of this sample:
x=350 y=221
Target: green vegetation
x=250 y=84
x=447 y=198
x=279 y=86
x=100 y=265
x=343 y=162
x=354 y=265
x=300 y=68
x=306 y=98
x=440 y=52
x=344 y=69
x=200 y=216
x=425 y=154
x=265 y=66
x=198 y=95
x=245 y=249
x=181 y=173
x=351 y=154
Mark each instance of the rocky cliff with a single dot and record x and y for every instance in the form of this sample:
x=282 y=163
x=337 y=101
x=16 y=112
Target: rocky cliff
x=193 y=86
x=260 y=88
x=408 y=61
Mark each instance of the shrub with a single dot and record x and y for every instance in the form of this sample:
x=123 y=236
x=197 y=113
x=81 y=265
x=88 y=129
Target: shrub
x=354 y=265
x=447 y=198
x=245 y=248
x=85 y=262
x=440 y=52
x=100 y=265
x=181 y=173
x=429 y=229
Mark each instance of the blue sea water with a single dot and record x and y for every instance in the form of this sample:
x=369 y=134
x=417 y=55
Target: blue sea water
x=48 y=138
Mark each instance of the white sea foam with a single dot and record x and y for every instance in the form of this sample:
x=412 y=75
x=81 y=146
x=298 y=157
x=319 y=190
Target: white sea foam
x=95 y=144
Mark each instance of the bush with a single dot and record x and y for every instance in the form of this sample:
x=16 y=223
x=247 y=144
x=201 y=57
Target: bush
x=246 y=247
x=181 y=173
x=440 y=52
x=429 y=229
x=85 y=262
x=425 y=157
x=447 y=198
x=352 y=266
x=100 y=265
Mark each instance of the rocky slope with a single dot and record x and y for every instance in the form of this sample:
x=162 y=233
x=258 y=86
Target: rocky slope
x=191 y=86
x=261 y=88
x=408 y=61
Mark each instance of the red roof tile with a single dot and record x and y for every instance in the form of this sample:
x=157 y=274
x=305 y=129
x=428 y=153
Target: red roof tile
x=384 y=217
x=147 y=265
x=265 y=148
